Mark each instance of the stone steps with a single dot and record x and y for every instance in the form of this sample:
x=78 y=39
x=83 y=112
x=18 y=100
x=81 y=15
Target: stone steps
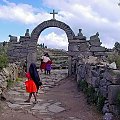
x=58 y=57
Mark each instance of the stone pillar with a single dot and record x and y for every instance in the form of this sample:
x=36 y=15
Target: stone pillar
x=31 y=58
x=32 y=52
x=77 y=46
x=69 y=65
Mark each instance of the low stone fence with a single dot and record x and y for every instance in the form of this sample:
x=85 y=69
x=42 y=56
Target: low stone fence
x=7 y=74
x=102 y=87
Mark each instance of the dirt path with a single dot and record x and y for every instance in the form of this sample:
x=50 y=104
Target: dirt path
x=61 y=102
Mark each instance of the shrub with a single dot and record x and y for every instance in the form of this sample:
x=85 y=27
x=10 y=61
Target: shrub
x=3 y=61
x=83 y=85
x=18 y=79
x=9 y=83
x=118 y=99
x=114 y=58
x=91 y=95
x=3 y=57
x=118 y=102
x=100 y=102
x=117 y=60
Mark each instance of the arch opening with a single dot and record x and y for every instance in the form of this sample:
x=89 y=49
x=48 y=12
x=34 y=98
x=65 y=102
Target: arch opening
x=54 y=41
x=32 y=56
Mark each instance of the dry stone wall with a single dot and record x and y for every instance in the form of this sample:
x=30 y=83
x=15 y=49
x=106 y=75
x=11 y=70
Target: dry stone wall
x=18 y=50
x=105 y=81
x=9 y=73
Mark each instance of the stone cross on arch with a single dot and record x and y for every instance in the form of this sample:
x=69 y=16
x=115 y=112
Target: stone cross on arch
x=54 y=13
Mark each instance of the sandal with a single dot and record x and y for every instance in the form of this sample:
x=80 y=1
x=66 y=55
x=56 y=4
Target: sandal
x=27 y=101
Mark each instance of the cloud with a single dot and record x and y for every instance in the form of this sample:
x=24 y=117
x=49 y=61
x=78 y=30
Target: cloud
x=101 y=16
x=92 y=16
x=53 y=40
x=23 y=13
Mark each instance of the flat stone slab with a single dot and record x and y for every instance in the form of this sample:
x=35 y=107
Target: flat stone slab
x=13 y=105
x=40 y=100
x=55 y=109
x=47 y=118
x=58 y=103
x=19 y=99
x=41 y=107
x=13 y=93
x=24 y=103
x=73 y=118
x=18 y=106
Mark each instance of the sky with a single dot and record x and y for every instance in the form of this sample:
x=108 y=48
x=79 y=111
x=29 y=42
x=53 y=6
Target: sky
x=91 y=16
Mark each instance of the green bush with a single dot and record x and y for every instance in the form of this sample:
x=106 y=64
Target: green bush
x=118 y=102
x=3 y=57
x=3 y=61
x=118 y=99
x=18 y=79
x=10 y=83
x=111 y=58
x=117 y=60
x=83 y=85
x=92 y=96
x=114 y=58
x=100 y=102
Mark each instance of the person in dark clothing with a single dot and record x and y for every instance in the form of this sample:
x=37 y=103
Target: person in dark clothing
x=34 y=76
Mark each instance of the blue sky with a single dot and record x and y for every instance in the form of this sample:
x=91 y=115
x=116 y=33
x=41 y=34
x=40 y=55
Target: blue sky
x=101 y=16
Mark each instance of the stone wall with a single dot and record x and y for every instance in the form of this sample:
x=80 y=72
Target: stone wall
x=105 y=81
x=18 y=49
x=26 y=47
x=9 y=73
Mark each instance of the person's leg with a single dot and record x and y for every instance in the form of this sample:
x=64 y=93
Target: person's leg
x=34 y=94
x=30 y=95
x=49 y=72
x=45 y=71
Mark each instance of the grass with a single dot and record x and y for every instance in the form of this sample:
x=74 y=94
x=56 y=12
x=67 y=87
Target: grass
x=93 y=98
x=114 y=58
x=19 y=79
x=10 y=83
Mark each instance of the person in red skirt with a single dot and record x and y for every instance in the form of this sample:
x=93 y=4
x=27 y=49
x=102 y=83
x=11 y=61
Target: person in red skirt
x=44 y=60
x=33 y=82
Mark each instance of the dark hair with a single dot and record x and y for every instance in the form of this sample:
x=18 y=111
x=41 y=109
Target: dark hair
x=34 y=74
x=46 y=54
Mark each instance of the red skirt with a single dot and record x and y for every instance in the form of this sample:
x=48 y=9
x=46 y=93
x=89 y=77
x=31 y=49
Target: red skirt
x=30 y=86
x=43 y=65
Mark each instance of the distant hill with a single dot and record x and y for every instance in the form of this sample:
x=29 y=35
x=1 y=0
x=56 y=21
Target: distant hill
x=59 y=57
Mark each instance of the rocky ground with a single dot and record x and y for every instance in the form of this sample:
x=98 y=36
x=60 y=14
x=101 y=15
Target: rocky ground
x=60 y=100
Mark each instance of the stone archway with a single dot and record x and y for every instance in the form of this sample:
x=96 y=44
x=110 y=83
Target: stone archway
x=52 y=23
x=36 y=33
